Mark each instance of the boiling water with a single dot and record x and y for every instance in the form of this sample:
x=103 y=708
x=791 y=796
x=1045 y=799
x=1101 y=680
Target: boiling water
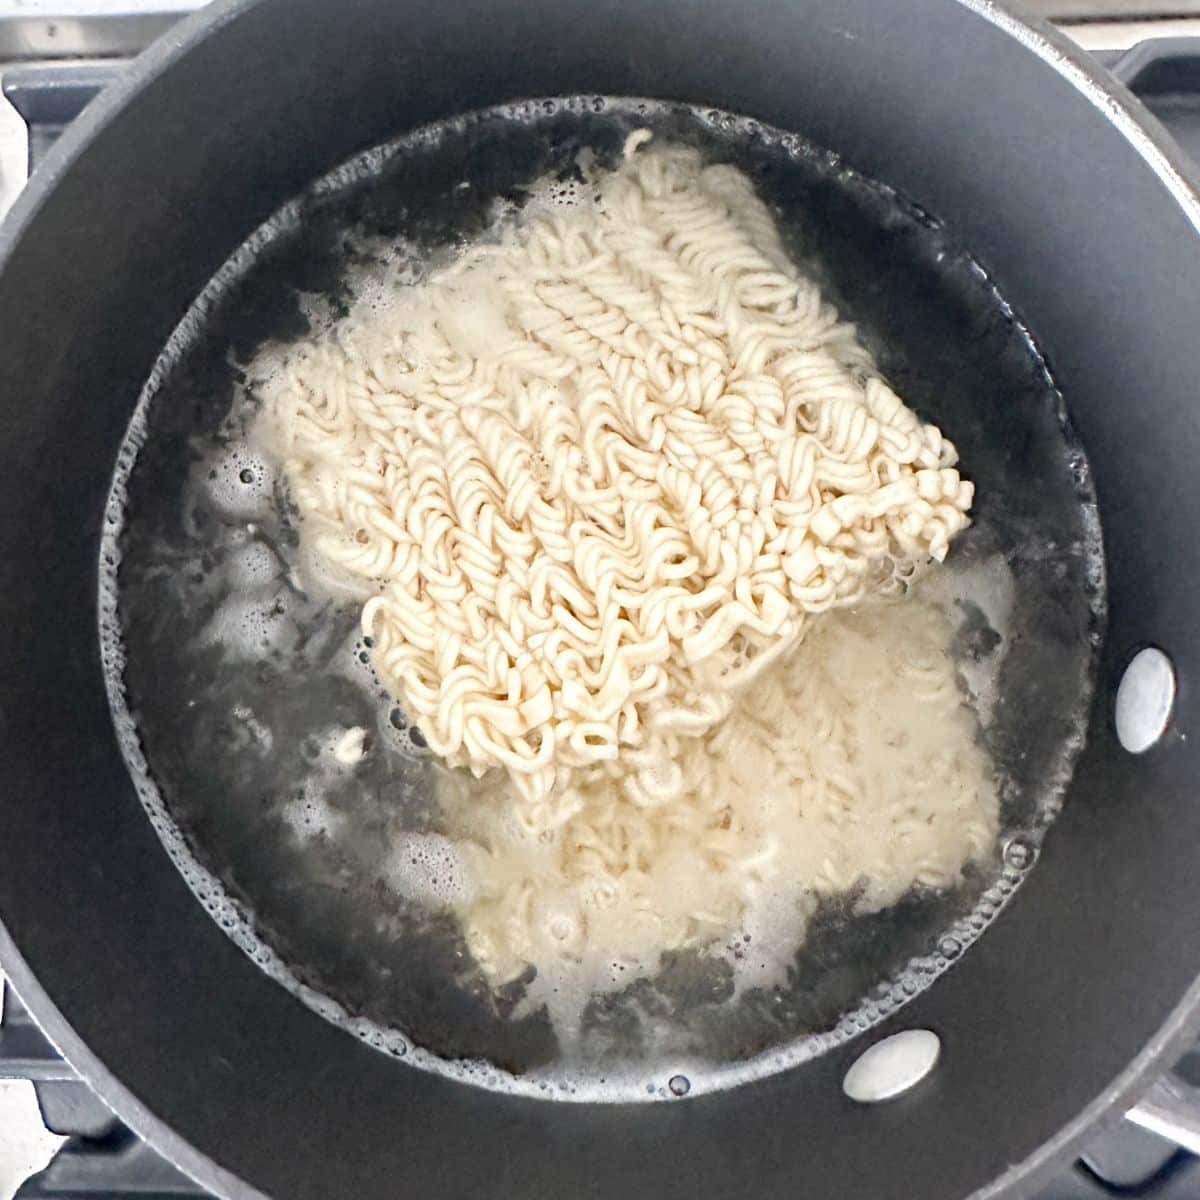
x=289 y=788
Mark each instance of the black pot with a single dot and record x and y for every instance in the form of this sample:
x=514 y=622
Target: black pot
x=1073 y=202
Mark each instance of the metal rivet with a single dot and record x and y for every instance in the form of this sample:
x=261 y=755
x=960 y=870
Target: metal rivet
x=1145 y=697
x=892 y=1066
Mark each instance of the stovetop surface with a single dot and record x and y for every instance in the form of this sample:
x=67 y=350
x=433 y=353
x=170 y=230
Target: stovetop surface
x=100 y=1159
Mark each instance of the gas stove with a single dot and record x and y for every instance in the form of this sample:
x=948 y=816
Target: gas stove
x=57 y=1140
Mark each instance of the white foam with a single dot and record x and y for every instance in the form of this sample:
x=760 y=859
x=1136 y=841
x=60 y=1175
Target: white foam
x=310 y=815
x=554 y=194
x=240 y=485
x=430 y=869
x=351 y=746
x=388 y=269
x=264 y=739
x=989 y=585
x=763 y=949
x=253 y=625
x=253 y=566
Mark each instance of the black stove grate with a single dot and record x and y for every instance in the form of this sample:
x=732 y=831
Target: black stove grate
x=101 y=1159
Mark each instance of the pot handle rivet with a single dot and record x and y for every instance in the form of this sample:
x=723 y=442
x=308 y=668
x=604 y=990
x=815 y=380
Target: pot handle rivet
x=1145 y=698
x=892 y=1066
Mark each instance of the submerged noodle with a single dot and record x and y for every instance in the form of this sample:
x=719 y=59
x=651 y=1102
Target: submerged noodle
x=850 y=767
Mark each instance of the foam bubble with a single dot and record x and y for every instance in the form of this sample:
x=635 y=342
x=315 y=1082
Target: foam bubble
x=251 y=626
x=388 y=269
x=392 y=726
x=310 y=814
x=430 y=869
x=763 y=948
x=241 y=484
x=561 y=194
x=254 y=566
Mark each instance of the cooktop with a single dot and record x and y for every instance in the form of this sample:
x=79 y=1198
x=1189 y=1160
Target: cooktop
x=56 y=66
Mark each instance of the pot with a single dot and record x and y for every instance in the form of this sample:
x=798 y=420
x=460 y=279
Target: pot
x=1076 y=206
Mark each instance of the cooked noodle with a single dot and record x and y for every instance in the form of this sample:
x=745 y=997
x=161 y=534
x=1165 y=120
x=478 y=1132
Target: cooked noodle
x=594 y=481
x=851 y=767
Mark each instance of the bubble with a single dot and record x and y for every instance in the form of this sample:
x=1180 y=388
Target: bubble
x=250 y=626
x=430 y=869
x=239 y=484
x=949 y=947
x=1020 y=853
x=679 y=1085
x=253 y=566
